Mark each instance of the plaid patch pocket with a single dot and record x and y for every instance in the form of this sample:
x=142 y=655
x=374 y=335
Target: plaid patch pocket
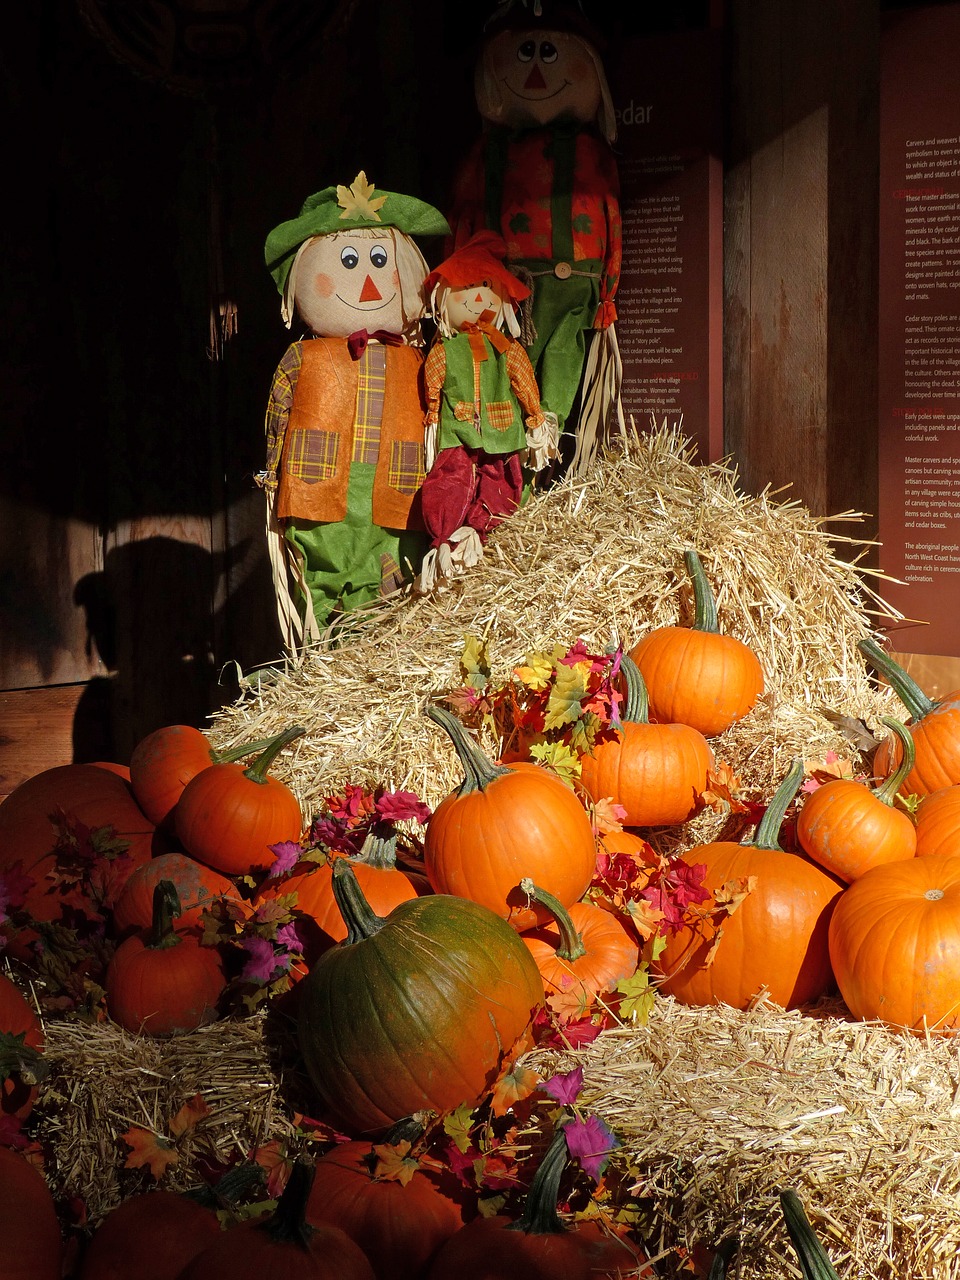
x=312 y=455
x=406 y=466
x=501 y=414
x=463 y=411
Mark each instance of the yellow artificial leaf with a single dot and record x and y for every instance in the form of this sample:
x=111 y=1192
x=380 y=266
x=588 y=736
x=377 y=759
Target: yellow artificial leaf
x=458 y=1125
x=732 y=892
x=645 y=917
x=358 y=201
x=637 y=996
x=394 y=1163
x=475 y=662
x=607 y=816
x=559 y=758
x=830 y=767
x=721 y=790
x=538 y=670
x=565 y=703
x=571 y=1005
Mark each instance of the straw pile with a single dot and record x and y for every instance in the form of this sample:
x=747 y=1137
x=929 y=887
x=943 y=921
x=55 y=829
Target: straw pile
x=718 y=1110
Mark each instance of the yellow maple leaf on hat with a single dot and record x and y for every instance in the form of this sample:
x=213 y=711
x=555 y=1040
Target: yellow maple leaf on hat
x=358 y=201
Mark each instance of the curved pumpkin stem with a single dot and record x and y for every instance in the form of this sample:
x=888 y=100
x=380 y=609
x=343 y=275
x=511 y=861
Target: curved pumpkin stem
x=540 y=1217
x=571 y=941
x=166 y=906
x=288 y=1223
x=887 y=792
x=705 y=617
x=257 y=772
x=358 y=915
x=379 y=848
x=768 y=829
x=636 y=707
x=479 y=771
x=905 y=687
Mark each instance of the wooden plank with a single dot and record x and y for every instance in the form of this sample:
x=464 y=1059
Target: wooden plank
x=45 y=727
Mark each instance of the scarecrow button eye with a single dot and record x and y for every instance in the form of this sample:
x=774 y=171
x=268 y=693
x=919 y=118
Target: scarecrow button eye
x=527 y=51
x=349 y=257
x=548 y=51
x=378 y=256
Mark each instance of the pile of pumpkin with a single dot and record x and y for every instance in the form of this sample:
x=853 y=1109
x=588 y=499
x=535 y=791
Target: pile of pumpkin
x=432 y=996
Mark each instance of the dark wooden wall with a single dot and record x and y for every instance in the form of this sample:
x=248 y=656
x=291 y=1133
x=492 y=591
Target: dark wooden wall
x=133 y=577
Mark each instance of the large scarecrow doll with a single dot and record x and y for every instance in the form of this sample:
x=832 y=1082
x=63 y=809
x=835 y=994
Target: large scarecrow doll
x=344 y=422
x=485 y=428
x=544 y=176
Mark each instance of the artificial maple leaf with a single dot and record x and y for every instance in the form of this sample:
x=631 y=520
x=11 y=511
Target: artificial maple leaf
x=286 y=856
x=514 y=1085
x=394 y=1162
x=579 y=653
x=537 y=672
x=274 y=1159
x=358 y=200
x=462 y=701
x=494 y=1172
x=188 y=1117
x=720 y=793
x=590 y=1143
x=830 y=767
x=475 y=662
x=645 y=916
x=558 y=758
x=564 y=704
x=149 y=1150
x=637 y=996
x=401 y=806
x=607 y=816
x=732 y=892
x=572 y=1004
x=565 y=1086
x=458 y=1125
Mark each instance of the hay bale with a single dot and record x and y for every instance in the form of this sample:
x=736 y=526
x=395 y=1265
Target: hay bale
x=598 y=559
x=719 y=1109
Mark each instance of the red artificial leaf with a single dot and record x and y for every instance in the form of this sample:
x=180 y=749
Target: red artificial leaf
x=401 y=806
x=273 y=1158
x=149 y=1150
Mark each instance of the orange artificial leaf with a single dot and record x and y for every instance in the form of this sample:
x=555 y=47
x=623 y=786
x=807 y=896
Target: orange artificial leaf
x=570 y=1005
x=830 y=767
x=732 y=893
x=608 y=817
x=273 y=1158
x=721 y=790
x=513 y=1086
x=644 y=916
x=394 y=1163
x=149 y=1150
x=189 y=1114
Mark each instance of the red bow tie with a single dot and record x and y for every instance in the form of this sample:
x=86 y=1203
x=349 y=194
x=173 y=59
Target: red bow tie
x=357 y=341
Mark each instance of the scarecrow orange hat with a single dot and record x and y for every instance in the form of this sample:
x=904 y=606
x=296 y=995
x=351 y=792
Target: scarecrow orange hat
x=481 y=258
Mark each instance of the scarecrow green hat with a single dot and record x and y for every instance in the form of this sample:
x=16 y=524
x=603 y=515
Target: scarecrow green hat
x=347 y=209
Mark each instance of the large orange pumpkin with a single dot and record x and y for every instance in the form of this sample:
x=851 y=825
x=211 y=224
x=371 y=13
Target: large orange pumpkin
x=895 y=945
x=847 y=827
x=657 y=772
x=31 y=1246
x=776 y=939
x=505 y=822
x=198 y=888
x=697 y=675
x=938 y=822
x=934 y=725
x=151 y=1235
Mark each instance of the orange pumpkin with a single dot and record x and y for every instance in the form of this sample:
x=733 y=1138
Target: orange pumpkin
x=21 y=1040
x=502 y=823
x=895 y=945
x=197 y=886
x=938 y=823
x=848 y=828
x=657 y=772
x=31 y=1247
x=151 y=1235
x=934 y=725
x=697 y=675
x=776 y=939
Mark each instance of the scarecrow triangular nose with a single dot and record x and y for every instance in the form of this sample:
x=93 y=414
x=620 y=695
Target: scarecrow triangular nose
x=370 y=292
x=478 y=298
x=535 y=79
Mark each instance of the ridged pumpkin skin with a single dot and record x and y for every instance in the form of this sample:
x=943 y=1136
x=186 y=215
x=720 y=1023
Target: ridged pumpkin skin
x=895 y=945
x=702 y=679
x=609 y=952
x=152 y=1235
x=163 y=763
x=421 y=1012
x=198 y=887
x=938 y=823
x=17 y=1018
x=776 y=938
x=31 y=1247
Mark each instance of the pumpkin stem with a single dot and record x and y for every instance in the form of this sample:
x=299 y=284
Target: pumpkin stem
x=905 y=687
x=571 y=942
x=478 y=770
x=229 y=755
x=768 y=829
x=358 y=915
x=887 y=792
x=288 y=1223
x=257 y=772
x=636 y=706
x=811 y=1253
x=380 y=847
x=166 y=906
x=705 y=617
x=540 y=1217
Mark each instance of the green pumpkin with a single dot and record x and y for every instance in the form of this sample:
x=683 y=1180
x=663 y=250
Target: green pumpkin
x=418 y=1010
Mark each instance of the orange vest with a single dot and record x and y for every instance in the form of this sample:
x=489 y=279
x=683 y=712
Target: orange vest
x=318 y=442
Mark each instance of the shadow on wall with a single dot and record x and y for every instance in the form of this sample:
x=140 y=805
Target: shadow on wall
x=153 y=619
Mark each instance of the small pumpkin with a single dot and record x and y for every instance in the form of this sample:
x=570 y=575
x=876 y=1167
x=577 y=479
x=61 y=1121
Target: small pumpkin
x=21 y=1045
x=149 y=1236
x=698 y=675
x=416 y=1011
x=228 y=816
x=848 y=827
x=895 y=945
x=502 y=823
x=656 y=772
x=938 y=823
x=775 y=940
x=283 y=1246
x=934 y=725
x=31 y=1246
x=163 y=762
x=584 y=952
x=198 y=888
x=162 y=983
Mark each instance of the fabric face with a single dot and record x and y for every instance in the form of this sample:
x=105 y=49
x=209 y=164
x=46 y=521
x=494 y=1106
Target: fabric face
x=466 y=306
x=349 y=281
x=542 y=76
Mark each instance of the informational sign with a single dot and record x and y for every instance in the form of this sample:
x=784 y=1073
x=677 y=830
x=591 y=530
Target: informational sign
x=919 y=384
x=666 y=91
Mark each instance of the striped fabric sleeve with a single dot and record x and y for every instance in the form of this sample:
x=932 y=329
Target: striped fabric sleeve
x=434 y=375
x=524 y=383
x=278 y=412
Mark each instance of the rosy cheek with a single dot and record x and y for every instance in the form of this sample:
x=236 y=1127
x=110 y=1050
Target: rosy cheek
x=395 y=279
x=579 y=70
x=323 y=285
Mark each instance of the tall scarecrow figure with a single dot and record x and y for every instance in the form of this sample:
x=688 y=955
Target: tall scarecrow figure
x=543 y=175
x=344 y=423
x=485 y=428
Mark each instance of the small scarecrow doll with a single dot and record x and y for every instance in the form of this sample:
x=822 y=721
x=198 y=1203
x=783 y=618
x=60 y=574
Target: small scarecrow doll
x=543 y=175
x=344 y=421
x=485 y=428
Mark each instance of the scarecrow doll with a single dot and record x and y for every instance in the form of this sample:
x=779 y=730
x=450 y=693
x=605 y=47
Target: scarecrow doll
x=484 y=425
x=344 y=421
x=543 y=175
